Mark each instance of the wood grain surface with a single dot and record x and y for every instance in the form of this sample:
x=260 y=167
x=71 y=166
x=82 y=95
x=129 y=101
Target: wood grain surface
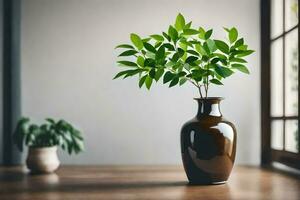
x=143 y=182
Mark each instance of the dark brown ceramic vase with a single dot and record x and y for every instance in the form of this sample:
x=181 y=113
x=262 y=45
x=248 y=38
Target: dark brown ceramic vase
x=208 y=144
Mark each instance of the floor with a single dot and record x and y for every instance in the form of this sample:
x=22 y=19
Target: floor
x=143 y=182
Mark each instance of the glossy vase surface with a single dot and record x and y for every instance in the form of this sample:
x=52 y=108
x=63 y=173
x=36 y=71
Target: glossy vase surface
x=208 y=144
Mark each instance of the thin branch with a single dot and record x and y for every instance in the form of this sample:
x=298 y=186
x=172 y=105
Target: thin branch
x=206 y=91
x=207 y=78
x=199 y=88
x=192 y=82
x=195 y=83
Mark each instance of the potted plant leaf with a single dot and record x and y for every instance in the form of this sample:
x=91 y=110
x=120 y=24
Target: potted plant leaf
x=184 y=54
x=43 y=141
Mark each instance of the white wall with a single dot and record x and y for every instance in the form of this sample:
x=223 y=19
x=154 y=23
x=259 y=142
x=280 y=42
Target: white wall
x=68 y=62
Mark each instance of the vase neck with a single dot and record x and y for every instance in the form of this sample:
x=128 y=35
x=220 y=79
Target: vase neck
x=209 y=107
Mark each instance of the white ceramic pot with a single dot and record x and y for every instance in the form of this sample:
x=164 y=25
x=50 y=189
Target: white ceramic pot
x=42 y=160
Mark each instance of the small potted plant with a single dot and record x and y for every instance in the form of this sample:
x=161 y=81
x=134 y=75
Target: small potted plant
x=43 y=141
x=184 y=54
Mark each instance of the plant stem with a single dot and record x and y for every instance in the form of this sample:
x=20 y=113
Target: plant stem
x=190 y=80
x=206 y=90
x=199 y=88
x=206 y=85
x=195 y=84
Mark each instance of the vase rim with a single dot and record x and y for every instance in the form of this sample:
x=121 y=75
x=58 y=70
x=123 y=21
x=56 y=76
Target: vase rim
x=210 y=99
x=47 y=148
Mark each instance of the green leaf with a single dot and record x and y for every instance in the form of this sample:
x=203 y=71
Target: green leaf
x=159 y=74
x=238 y=43
x=126 y=46
x=185 y=42
x=187 y=66
x=142 y=81
x=166 y=36
x=245 y=53
x=157 y=37
x=78 y=145
x=208 y=34
x=149 y=47
x=200 y=49
x=198 y=74
x=190 y=32
x=160 y=54
x=226 y=29
x=193 y=52
x=173 y=33
x=168 y=77
x=180 y=22
x=149 y=62
x=211 y=45
x=178 y=66
x=132 y=72
x=181 y=73
x=206 y=48
x=182 y=80
x=128 y=53
x=152 y=73
x=168 y=53
x=169 y=46
x=201 y=33
x=191 y=59
x=146 y=40
x=140 y=61
x=224 y=62
x=223 y=71
x=50 y=120
x=180 y=52
x=215 y=60
x=70 y=148
x=222 y=46
x=183 y=46
x=204 y=58
x=188 y=25
x=127 y=73
x=157 y=44
x=218 y=76
x=121 y=74
x=233 y=34
x=216 y=81
x=127 y=63
x=148 y=82
x=150 y=55
x=175 y=57
x=170 y=64
x=194 y=42
x=241 y=68
x=136 y=40
x=221 y=56
x=240 y=60
x=243 y=47
x=174 y=81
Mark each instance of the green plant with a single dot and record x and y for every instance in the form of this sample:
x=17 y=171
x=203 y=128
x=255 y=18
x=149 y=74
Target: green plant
x=52 y=133
x=184 y=54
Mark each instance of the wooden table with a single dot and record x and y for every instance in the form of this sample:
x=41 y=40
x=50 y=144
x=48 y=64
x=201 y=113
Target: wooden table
x=143 y=182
